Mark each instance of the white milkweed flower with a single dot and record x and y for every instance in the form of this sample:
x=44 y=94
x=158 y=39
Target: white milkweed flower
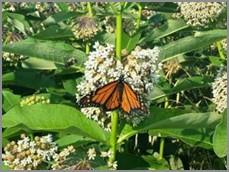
x=106 y=154
x=27 y=154
x=140 y=70
x=91 y=153
x=113 y=165
x=219 y=90
x=200 y=13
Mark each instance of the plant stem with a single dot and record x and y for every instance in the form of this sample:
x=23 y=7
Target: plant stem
x=139 y=16
x=90 y=13
x=118 y=35
x=114 y=115
x=161 y=151
x=220 y=50
x=87 y=48
x=113 y=138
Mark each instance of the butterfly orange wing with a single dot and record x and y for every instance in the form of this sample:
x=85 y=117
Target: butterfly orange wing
x=107 y=96
x=130 y=100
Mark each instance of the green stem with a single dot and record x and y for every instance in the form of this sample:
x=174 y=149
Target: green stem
x=220 y=50
x=161 y=151
x=113 y=138
x=114 y=115
x=118 y=35
x=87 y=48
x=90 y=13
x=139 y=16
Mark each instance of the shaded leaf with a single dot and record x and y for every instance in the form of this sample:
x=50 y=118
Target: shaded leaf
x=190 y=43
x=194 y=137
x=55 y=51
x=182 y=85
x=170 y=27
x=220 y=137
x=72 y=139
x=9 y=100
x=170 y=118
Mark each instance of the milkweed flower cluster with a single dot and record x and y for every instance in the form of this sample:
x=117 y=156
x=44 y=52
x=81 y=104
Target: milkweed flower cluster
x=171 y=67
x=34 y=99
x=200 y=13
x=11 y=59
x=60 y=159
x=219 y=90
x=27 y=154
x=84 y=28
x=140 y=70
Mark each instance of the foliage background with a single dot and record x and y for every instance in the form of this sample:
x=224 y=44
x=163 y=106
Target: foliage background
x=187 y=132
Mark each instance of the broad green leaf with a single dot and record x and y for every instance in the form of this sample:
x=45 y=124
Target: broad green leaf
x=58 y=17
x=170 y=118
x=40 y=64
x=190 y=43
x=19 y=21
x=15 y=131
x=170 y=27
x=193 y=137
x=9 y=100
x=72 y=139
x=182 y=85
x=130 y=42
x=54 y=32
x=29 y=78
x=53 y=117
x=55 y=51
x=220 y=137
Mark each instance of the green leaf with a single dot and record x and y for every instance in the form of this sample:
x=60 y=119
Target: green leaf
x=55 y=51
x=40 y=64
x=18 y=21
x=54 y=32
x=59 y=17
x=70 y=86
x=108 y=38
x=29 y=78
x=72 y=139
x=53 y=117
x=182 y=85
x=9 y=100
x=220 y=137
x=170 y=118
x=170 y=27
x=190 y=43
x=193 y=137
x=130 y=42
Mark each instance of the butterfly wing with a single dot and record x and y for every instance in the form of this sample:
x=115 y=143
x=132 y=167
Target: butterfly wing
x=107 y=96
x=130 y=100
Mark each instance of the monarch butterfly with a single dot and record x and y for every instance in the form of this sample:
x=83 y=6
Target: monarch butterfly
x=114 y=95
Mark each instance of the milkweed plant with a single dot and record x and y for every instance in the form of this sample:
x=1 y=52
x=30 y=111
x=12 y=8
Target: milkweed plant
x=172 y=55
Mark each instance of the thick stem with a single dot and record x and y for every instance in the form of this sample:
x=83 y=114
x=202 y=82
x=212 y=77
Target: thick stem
x=114 y=115
x=87 y=48
x=161 y=151
x=118 y=35
x=113 y=138
x=139 y=16
x=89 y=8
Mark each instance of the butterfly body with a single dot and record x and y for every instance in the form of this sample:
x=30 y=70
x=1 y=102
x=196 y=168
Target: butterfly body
x=114 y=95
